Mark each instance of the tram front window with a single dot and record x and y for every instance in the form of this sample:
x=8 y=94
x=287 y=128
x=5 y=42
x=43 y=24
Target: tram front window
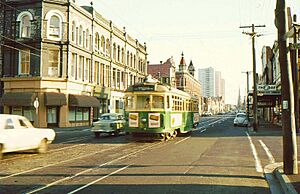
x=143 y=102
x=129 y=102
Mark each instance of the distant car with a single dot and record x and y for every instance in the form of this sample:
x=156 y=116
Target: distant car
x=207 y=114
x=18 y=134
x=241 y=120
x=109 y=123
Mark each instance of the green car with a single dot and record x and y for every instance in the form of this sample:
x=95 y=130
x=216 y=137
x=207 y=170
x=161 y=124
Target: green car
x=109 y=123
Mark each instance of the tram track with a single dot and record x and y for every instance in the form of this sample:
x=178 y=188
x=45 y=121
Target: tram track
x=118 y=159
x=123 y=157
x=121 y=152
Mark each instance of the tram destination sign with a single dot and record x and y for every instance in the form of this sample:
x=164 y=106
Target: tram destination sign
x=144 y=88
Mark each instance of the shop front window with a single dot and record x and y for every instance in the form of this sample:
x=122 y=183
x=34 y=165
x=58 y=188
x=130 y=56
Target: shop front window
x=52 y=115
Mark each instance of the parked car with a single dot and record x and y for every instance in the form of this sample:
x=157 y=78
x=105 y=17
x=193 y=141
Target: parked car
x=241 y=120
x=109 y=123
x=207 y=114
x=18 y=134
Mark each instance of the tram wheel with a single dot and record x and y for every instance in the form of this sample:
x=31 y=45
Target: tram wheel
x=167 y=136
x=174 y=134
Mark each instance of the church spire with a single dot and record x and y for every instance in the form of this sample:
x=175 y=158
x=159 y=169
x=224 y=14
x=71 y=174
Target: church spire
x=182 y=64
x=191 y=68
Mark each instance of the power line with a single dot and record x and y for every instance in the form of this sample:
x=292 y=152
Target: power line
x=21 y=43
x=25 y=51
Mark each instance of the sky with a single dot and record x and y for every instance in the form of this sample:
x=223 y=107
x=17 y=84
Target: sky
x=207 y=32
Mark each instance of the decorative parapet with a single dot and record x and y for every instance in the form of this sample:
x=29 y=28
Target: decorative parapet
x=141 y=47
x=131 y=41
x=104 y=22
x=118 y=32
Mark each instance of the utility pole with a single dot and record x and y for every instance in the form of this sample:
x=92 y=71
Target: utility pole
x=290 y=164
x=294 y=61
x=253 y=34
x=248 y=108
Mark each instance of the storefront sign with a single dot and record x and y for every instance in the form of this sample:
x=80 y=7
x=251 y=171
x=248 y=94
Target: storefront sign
x=266 y=88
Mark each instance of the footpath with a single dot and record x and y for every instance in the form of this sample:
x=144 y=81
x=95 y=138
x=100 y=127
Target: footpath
x=274 y=173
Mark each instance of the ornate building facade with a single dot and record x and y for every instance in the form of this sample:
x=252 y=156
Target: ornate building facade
x=64 y=64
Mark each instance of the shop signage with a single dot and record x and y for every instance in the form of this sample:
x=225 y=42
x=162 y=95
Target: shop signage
x=266 y=88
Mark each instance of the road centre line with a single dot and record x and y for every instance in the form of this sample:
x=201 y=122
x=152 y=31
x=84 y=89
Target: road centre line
x=258 y=165
x=90 y=169
x=97 y=180
x=269 y=154
x=61 y=162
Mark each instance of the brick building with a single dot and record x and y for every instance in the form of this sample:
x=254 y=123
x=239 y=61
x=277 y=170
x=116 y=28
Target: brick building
x=182 y=79
x=164 y=72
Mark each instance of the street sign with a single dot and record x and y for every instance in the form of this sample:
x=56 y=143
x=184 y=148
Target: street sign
x=36 y=103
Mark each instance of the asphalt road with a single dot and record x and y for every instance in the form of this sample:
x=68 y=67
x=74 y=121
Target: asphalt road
x=215 y=158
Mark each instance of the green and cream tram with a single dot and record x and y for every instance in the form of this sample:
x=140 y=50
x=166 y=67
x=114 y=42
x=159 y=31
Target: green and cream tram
x=158 y=111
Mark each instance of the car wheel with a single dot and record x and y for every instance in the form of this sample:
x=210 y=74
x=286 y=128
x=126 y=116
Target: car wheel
x=1 y=152
x=43 y=147
x=97 y=134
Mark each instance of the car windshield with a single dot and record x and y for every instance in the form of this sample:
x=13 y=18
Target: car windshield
x=109 y=117
x=240 y=115
x=106 y=117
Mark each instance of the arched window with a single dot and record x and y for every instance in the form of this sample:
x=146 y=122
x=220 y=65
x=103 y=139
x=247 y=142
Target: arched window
x=118 y=55
x=128 y=58
x=134 y=62
x=87 y=38
x=54 y=24
x=80 y=35
x=25 y=24
x=97 y=40
x=73 y=31
x=107 y=47
x=103 y=44
x=114 y=51
x=123 y=56
x=54 y=27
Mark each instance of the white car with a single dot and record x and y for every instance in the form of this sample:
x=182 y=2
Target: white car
x=18 y=134
x=110 y=123
x=241 y=120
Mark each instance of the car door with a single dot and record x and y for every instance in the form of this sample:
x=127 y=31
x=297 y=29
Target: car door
x=30 y=135
x=11 y=136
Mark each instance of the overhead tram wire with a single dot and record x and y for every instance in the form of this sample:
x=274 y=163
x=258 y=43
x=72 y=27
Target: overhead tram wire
x=21 y=43
x=16 y=40
x=11 y=47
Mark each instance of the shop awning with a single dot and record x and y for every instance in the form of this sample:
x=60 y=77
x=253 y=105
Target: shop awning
x=18 y=99
x=55 y=99
x=83 y=101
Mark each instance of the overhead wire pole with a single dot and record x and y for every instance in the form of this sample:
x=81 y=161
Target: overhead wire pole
x=290 y=164
x=247 y=72
x=253 y=34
